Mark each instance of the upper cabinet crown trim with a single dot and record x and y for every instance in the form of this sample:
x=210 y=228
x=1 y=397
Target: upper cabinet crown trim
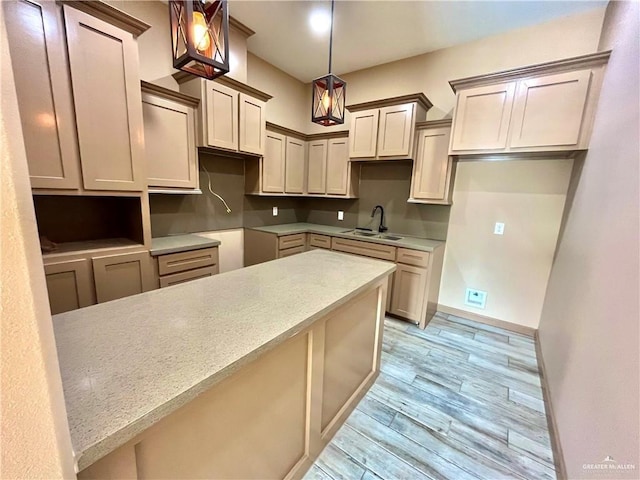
x=306 y=137
x=420 y=98
x=169 y=94
x=110 y=14
x=573 y=63
x=445 y=122
x=241 y=27
x=183 y=77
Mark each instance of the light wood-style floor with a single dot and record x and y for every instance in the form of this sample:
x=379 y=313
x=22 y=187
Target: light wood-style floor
x=458 y=400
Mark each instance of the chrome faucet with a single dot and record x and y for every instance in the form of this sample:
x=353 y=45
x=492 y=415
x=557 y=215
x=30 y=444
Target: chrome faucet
x=381 y=228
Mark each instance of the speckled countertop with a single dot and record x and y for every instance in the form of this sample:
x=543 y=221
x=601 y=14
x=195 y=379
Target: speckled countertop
x=180 y=243
x=414 y=243
x=127 y=363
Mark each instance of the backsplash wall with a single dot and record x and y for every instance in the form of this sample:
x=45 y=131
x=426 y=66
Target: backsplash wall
x=387 y=184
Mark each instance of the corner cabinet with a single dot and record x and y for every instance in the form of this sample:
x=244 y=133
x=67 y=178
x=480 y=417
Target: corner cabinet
x=541 y=108
x=384 y=129
x=231 y=115
x=433 y=168
x=80 y=111
x=170 y=143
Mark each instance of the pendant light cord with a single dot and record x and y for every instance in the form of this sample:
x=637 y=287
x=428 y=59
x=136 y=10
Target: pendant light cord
x=331 y=36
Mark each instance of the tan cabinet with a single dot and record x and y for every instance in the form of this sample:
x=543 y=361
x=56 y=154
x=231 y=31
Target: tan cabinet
x=170 y=144
x=273 y=163
x=408 y=291
x=317 y=167
x=366 y=249
x=175 y=268
x=231 y=114
x=291 y=244
x=384 y=129
x=103 y=62
x=319 y=241
x=541 y=108
x=35 y=31
x=122 y=275
x=70 y=285
x=295 y=166
x=433 y=168
x=343 y=177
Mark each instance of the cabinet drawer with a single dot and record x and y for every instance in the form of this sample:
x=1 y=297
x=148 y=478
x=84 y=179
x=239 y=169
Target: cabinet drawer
x=320 y=241
x=182 y=277
x=183 y=261
x=290 y=251
x=291 y=241
x=375 y=250
x=413 y=257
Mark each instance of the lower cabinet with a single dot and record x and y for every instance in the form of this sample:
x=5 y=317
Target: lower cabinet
x=291 y=244
x=319 y=241
x=80 y=279
x=408 y=292
x=175 y=268
x=122 y=275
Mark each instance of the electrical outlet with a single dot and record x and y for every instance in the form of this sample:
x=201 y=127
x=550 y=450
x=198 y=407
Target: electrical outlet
x=275 y=211
x=475 y=298
x=499 y=228
x=340 y=215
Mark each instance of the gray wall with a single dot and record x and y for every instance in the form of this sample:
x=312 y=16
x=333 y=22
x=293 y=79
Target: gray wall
x=386 y=184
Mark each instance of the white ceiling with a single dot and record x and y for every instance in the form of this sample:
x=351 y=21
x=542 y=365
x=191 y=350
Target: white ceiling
x=368 y=33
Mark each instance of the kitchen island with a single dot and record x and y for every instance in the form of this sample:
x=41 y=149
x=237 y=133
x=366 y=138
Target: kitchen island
x=247 y=374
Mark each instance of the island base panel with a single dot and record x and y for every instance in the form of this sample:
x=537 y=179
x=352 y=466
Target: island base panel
x=273 y=417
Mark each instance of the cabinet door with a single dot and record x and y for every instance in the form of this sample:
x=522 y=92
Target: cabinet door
x=337 y=167
x=294 y=166
x=36 y=40
x=395 y=133
x=106 y=89
x=69 y=285
x=253 y=122
x=170 y=143
x=363 y=134
x=409 y=285
x=222 y=116
x=481 y=119
x=317 y=167
x=432 y=165
x=548 y=111
x=122 y=275
x=273 y=163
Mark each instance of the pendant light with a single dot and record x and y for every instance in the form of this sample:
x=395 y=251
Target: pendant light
x=328 y=94
x=200 y=37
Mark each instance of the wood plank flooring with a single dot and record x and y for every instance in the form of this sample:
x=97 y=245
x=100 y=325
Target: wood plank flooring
x=458 y=400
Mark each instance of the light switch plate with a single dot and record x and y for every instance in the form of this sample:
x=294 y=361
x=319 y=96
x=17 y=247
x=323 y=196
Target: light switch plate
x=499 y=228
x=275 y=211
x=340 y=215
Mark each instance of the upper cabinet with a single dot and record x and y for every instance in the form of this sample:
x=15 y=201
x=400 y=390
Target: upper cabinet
x=384 y=129
x=433 y=167
x=170 y=145
x=81 y=113
x=231 y=114
x=542 y=108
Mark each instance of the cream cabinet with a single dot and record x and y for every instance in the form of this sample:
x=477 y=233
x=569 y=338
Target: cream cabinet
x=181 y=267
x=78 y=94
x=35 y=31
x=408 y=291
x=541 y=108
x=317 y=166
x=433 y=168
x=295 y=166
x=231 y=114
x=103 y=62
x=273 y=163
x=69 y=285
x=122 y=274
x=170 y=144
x=329 y=170
x=384 y=130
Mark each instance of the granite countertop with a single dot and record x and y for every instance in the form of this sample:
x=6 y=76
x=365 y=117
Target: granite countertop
x=180 y=243
x=127 y=363
x=414 y=243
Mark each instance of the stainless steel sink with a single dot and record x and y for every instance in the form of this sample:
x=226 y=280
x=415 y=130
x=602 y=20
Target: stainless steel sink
x=381 y=236
x=390 y=237
x=365 y=234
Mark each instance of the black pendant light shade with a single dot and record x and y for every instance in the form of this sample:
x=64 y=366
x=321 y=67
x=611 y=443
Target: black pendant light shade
x=329 y=93
x=200 y=37
x=328 y=100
